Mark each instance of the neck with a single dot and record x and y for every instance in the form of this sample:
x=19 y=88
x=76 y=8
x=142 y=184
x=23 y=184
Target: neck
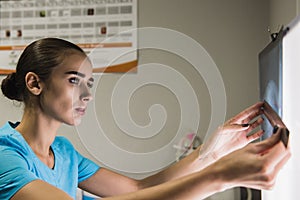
x=38 y=131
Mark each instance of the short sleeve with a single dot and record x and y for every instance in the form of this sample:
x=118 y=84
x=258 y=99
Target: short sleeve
x=86 y=168
x=14 y=173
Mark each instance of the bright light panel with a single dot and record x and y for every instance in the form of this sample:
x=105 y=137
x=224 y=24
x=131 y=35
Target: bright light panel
x=289 y=177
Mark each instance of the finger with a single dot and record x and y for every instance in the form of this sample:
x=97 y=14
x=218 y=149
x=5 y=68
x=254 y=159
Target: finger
x=255 y=124
x=268 y=143
x=235 y=128
x=242 y=127
x=255 y=136
x=248 y=114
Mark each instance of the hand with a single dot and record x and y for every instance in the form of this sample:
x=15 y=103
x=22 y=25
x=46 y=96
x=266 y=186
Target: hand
x=256 y=165
x=233 y=135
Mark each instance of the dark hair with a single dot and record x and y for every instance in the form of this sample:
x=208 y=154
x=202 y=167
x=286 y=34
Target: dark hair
x=39 y=57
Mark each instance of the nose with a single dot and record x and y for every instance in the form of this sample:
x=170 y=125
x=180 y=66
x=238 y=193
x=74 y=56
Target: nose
x=85 y=95
x=87 y=98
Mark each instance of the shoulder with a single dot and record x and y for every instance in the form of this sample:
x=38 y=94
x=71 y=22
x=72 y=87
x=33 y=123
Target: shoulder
x=17 y=162
x=8 y=128
x=11 y=139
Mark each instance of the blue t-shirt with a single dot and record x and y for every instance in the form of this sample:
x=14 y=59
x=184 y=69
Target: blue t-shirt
x=19 y=165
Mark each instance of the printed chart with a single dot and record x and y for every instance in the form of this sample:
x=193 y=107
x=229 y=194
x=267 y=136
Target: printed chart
x=105 y=29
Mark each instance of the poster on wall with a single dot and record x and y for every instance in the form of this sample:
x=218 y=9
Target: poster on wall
x=105 y=29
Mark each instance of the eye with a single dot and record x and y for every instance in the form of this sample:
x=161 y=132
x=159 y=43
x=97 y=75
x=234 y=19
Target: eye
x=90 y=84
x=74 y=80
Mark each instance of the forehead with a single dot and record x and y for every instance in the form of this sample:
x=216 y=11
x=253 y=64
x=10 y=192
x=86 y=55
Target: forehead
x=74 y=62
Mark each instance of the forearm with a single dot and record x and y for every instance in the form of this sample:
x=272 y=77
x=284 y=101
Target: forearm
x=39 y=189
x=188 y=165
x=197 y=185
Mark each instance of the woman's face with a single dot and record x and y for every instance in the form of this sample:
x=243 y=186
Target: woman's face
x=66 y=94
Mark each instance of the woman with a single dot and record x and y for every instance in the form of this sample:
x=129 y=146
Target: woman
x=53 y=78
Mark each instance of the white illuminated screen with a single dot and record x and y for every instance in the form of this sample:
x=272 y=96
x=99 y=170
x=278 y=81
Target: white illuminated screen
x=286 y=186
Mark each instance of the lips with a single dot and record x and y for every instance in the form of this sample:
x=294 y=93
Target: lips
x=80 y=111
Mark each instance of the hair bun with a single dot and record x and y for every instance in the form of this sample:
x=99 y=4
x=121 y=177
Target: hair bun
x=9 y=88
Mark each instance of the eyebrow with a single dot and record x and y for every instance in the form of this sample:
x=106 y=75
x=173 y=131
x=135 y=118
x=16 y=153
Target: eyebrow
x=79 y=74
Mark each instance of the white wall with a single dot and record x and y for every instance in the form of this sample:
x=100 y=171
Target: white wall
x=233 y=32
x=282 y=13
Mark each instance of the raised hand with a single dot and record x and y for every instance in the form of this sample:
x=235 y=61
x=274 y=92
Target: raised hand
x=256 y=165
x=233 y=134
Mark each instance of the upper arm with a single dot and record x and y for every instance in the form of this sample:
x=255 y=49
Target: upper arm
x=108 y=183
x=17 y=181
x=14 y=173
x=39 y=189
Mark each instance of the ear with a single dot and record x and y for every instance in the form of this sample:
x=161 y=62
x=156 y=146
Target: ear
x=33 y=83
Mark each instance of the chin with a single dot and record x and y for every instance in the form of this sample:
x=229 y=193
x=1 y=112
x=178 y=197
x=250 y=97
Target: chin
x=76 y=122
x=73 y=122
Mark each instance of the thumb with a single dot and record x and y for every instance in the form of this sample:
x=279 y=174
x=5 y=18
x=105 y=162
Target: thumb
x=269 y=142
